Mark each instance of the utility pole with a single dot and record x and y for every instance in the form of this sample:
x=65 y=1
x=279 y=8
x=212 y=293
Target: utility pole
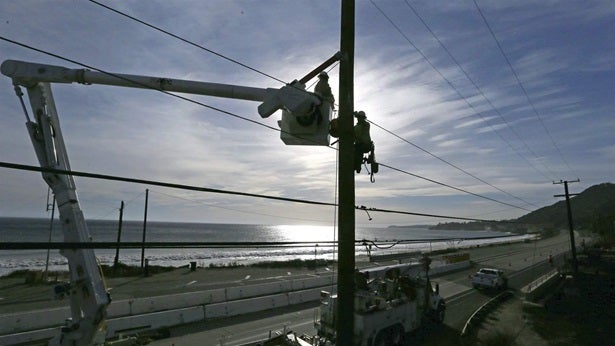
x=573 y=248
x=119 y=237
x=144 y=228
x=346 y=192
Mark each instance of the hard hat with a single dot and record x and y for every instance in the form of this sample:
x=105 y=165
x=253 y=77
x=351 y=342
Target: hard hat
x=359 y=115
x=323 y=74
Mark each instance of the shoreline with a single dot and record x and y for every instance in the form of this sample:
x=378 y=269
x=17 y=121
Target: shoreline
x=305 y=259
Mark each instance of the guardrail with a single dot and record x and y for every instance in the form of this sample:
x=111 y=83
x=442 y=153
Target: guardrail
x=478 y=315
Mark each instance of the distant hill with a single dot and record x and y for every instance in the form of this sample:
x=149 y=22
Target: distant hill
x=595 y=202
x=598 y=200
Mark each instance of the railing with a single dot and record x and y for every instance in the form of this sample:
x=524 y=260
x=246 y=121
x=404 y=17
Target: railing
x=532 y=285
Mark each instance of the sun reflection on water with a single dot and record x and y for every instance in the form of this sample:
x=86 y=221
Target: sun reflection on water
x=304 y=233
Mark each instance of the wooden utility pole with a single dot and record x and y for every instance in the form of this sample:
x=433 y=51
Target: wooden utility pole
x=119 y=237
x=144 y=228
x=346 y=192
x=573 y=248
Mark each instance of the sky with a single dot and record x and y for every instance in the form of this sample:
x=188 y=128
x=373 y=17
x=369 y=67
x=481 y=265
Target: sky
x=500 y=111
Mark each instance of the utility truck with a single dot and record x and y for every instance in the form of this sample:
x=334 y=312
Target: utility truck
x=305 y=121
x=389 y=302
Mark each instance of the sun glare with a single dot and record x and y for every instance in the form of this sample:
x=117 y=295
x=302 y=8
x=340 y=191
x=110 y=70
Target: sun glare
x=305 y=233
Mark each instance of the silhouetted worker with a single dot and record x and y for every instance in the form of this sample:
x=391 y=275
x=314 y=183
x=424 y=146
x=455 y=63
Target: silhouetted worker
x=362 y=141
x=323 y=89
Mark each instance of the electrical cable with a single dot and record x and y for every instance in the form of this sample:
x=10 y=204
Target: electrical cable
x=449 y=163
x=270 y=76
x=236 y=210
x=450 y=186
x=186 y=41
x=211 y=190
x=150 y=88
x=527 y=96
x=450 y=83
x=209 y=245
x=220 y=110
x=512 y=129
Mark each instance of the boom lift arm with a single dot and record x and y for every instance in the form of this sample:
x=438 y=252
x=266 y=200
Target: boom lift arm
x=88 y=296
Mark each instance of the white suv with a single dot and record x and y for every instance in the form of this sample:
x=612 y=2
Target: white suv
x=490 y=278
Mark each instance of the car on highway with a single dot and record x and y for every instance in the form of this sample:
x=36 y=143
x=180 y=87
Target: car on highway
x=490 y=278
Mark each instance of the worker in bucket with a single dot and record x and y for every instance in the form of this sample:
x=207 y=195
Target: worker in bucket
x=323 y=89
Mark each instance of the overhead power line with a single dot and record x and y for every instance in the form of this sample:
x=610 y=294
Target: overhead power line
x=451 y=187
x=450 y=164
x=211 y=190
x=527 y=96
x=494 y=130
x=224 y=112
x=512 y=129
x=215 y=245
x=265 y=74
x=185 y=40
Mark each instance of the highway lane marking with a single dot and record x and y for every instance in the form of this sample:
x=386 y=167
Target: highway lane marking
x=191 y=282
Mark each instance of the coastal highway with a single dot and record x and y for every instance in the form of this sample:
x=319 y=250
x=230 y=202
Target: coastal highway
x=523 y=262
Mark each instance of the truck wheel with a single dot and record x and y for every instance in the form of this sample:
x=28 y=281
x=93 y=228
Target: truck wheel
x=397 y=336
x=439 y=315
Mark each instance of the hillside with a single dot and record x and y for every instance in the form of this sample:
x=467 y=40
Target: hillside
x=598 y=200
x=595 y=202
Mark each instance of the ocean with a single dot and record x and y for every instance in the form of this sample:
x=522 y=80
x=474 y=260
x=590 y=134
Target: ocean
x=38 y=230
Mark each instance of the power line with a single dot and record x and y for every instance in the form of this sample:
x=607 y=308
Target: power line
x=218 y=191
x=213 y=245
x=186 y=41
x=480 y=91
x=527 y=96
x=236 y=210
x=452 y=86
x=214 y=108
x=450 y=186
x=450 y=164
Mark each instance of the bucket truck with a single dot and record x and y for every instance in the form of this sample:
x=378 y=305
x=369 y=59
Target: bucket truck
x=305 y=121
x=389 y=302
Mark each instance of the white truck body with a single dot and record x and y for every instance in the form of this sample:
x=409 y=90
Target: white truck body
x=490 y=278
x=386 y=307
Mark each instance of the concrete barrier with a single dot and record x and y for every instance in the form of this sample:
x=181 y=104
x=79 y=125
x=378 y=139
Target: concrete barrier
x=130 y=324
x=304 y=296
x=449 y=267
x=27 y=338
x=31 y=320
x=218 y=302
x=249 y=291
x=244 y=306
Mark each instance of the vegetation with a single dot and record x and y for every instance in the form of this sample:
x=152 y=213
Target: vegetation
x=580 y=312
x=596 y=201
x=124 y=270
x=592 y=209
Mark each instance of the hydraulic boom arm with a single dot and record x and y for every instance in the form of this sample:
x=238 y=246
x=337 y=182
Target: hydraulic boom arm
x=305 y=120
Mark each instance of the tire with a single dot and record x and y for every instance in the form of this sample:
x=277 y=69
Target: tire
x=439 y=314
x=397 y=336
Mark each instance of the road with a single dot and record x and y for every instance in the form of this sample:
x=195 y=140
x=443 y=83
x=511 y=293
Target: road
x=523 y=262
